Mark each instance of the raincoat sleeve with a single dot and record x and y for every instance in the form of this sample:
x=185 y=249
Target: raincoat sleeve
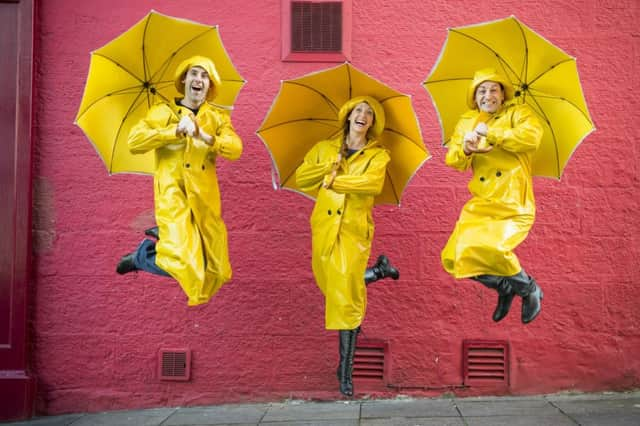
x=310 y=174
x=525 y=135
x=227 y=143
x=157 y=129
x=368 y=183
x=456 y=158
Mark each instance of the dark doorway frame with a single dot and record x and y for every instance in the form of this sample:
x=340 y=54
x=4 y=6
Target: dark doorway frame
x=17 y=384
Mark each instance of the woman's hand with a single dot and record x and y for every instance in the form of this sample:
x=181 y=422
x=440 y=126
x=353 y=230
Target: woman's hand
x=334 y=172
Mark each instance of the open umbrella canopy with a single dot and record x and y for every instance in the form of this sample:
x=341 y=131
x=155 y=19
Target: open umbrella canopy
x=305 y=112
x=136 y=70
x=544 y=77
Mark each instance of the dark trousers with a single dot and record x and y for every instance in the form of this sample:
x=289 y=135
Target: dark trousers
x=145 y=258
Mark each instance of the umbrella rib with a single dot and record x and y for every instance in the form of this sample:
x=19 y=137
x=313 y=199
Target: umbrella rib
x=124 y=91
x=145 y=63
x=388 y=129
x=165 y=65
x=446 y=80
x=124 y=118
x=313 y=89
x=525 y=63
x=560 y=98
x=391 y=97
x=349 y=81
x=502 y=61
x=119 y=66
x=549 y=70
x=393 y=188
x=541 y=113
x=326 y=121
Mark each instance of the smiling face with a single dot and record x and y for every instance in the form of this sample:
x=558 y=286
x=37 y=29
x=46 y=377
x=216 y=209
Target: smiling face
x=196 y=85
x=361 y=118
x=489 y=96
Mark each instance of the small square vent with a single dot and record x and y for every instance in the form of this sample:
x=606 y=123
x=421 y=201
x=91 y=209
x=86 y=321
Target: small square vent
x=369 y=360
x=174 y=364
x=485 y=363
x=316 y=26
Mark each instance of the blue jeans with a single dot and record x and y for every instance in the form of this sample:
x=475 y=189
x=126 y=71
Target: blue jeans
x=145 y=258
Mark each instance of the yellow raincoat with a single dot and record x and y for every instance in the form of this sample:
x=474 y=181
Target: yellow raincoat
x=342 y=225
x=193 y=238
x=502 y=209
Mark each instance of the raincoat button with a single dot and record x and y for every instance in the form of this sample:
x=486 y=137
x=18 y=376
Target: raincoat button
x=339 y=212
x=187 y=165
x=329 y=212
x=498 y=174
x=203 y=167
x=482 y=179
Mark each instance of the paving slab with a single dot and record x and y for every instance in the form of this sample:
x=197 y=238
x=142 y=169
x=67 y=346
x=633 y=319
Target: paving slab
x=607 y=419
x=601 y=409
x=218 y=415
x=511 y=407
x=150 y=417
x=410 y=408
x=312 y=411
x=314 y=423
x=558 y=420
x=605 y=409
x=602 y=405
x=414 y=421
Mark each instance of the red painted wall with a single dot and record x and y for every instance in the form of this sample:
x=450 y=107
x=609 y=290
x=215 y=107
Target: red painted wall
x=95 y=335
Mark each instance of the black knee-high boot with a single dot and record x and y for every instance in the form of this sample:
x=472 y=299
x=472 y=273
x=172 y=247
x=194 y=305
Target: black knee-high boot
x=381 y=269
x=347 y=352
x=527 y=288
x=505 y=293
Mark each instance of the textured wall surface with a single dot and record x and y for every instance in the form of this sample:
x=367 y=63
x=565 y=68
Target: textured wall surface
x=95 y=334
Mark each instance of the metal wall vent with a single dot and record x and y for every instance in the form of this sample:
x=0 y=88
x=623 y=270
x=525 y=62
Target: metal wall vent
x=485 y=362
x=316 y=26
x=369 y=360
x=174 y=364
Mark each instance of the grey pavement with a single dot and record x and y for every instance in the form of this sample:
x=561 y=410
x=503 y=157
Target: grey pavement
x=596 y=409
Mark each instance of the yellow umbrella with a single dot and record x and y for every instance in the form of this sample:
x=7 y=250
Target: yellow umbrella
x=306 y=111
x=544 y=77
x=136 y=70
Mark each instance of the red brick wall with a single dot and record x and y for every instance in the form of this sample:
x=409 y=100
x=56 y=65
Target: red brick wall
x=95 y=334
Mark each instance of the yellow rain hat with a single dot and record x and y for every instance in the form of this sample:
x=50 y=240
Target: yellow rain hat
x=488 y=74
x=378 y=113
x=204 y=63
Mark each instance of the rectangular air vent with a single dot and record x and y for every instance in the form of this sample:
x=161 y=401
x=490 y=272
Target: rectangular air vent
x=174 y=364
x=369 y=360
x=485 y=362
x=316 y=26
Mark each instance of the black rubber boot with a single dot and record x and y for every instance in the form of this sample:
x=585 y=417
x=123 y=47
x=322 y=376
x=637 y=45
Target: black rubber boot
x=527 y=288
x=504 y=304
x=126 y=264
x=381 y=269
x=153 y=232
x=505 y=293
x=347 y=352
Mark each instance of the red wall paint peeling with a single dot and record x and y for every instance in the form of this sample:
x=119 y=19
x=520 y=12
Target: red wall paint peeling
x=95 y=335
